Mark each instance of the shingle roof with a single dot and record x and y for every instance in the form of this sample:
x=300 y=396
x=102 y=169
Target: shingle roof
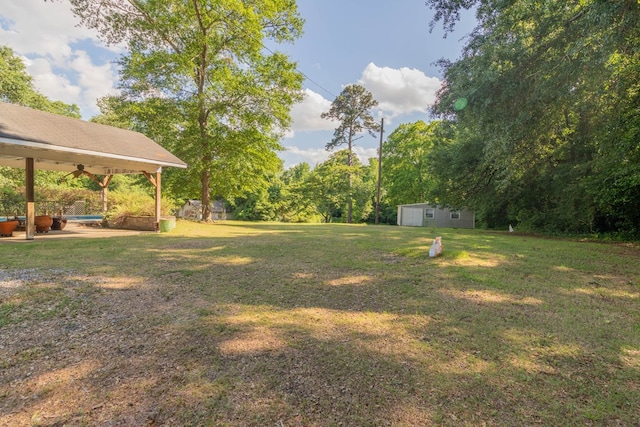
x=60 y=143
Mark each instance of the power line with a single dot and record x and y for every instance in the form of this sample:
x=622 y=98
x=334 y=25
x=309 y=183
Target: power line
x=237 y=27
x=315 y=83
x=303 y=74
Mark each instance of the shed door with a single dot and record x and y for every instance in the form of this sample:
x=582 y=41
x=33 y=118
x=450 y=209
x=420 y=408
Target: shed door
x=412 y=217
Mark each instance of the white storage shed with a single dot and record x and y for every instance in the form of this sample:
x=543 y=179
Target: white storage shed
x=428 y=215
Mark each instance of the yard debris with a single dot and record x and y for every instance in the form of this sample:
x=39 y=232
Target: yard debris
x=436 y=247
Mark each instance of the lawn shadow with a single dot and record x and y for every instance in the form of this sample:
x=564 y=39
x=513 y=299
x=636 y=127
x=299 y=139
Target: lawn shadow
x=270 y=329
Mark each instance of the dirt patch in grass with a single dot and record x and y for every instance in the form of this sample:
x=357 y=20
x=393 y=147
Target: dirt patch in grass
x=80 y=350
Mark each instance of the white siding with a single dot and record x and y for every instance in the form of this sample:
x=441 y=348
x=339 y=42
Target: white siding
x=415 y=215
x=412 y=217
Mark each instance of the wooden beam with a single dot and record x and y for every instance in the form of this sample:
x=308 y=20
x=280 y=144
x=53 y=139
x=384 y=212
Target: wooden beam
x=158 y=199
x=150 y=177
x=104 y=184
x=156 y=181
x=106 y=180
x=30 y=225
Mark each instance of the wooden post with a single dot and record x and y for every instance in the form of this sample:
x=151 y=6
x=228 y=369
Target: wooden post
x=158 y=198
x=156 y=181
x=30 y=225
x=104 y=184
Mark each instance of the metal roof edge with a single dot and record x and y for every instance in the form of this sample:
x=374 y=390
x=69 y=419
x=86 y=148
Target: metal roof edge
x=50 y=147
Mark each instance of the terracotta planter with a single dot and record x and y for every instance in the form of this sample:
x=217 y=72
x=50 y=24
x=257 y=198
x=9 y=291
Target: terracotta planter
x=43 y=223
x=59 y=223
x=7 y=227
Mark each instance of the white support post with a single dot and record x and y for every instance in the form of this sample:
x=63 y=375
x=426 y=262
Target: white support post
x=158 y=198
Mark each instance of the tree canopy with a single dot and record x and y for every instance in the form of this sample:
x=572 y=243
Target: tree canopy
x=547 y=133
x=406 y=166
x=198 y=79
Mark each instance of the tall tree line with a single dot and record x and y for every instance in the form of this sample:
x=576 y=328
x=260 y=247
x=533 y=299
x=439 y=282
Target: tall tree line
x=325 y=193
x=546 y=106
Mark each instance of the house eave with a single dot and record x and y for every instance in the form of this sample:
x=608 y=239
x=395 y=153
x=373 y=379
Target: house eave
x=13 y=152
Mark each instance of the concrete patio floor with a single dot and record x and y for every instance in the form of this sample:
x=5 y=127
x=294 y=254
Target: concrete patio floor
x=74 y=230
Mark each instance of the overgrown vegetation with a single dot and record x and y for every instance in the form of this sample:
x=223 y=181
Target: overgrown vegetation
x=547 y=133
x=135 y=201
x=253 y=324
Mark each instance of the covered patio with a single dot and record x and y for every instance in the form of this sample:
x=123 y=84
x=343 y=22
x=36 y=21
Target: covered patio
x=75 y=230
x=32 y=139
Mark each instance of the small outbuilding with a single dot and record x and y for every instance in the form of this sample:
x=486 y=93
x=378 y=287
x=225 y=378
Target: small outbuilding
x=192 y=209
x=428 y=215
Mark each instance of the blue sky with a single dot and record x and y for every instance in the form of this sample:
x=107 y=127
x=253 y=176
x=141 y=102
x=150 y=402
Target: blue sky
x=383 y=45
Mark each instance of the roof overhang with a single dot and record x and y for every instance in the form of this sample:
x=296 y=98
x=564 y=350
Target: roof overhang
x=63 y=143
x=13 y=153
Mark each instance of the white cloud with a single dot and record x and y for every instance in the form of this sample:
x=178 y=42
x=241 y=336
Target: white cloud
x=44 y=35
x=400 y=91
x=313 y=156
x=364 y=154
x=96 y=81
x=306 y=114
x=41 y=28
x=58 y=87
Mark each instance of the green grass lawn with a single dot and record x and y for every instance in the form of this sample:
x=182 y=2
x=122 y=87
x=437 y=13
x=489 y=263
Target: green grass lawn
x=254 y=324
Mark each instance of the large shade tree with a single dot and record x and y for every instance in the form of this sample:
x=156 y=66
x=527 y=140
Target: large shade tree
x=203 y=84
x=352 y=110
x=406 y=168
x=545 y=98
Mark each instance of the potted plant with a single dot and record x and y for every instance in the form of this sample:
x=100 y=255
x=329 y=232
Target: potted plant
x=8 y=226
x=43 y=223
x=59 y=221
x=10 y=199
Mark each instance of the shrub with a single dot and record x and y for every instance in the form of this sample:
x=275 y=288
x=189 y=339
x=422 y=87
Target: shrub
x=134 y=202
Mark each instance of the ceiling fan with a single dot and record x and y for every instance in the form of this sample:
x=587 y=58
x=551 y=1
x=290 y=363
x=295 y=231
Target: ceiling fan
x=76 y=173
x=80 y=171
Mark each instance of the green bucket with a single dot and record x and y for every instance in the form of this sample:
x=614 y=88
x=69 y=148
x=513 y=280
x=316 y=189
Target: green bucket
x=167 y=224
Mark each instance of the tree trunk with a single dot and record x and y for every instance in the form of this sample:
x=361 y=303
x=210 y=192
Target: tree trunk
x=206 y=201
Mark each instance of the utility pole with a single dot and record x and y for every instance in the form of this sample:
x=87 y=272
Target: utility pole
x=379 y=171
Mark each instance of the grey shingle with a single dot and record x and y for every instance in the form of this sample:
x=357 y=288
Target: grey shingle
x=59 y=143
